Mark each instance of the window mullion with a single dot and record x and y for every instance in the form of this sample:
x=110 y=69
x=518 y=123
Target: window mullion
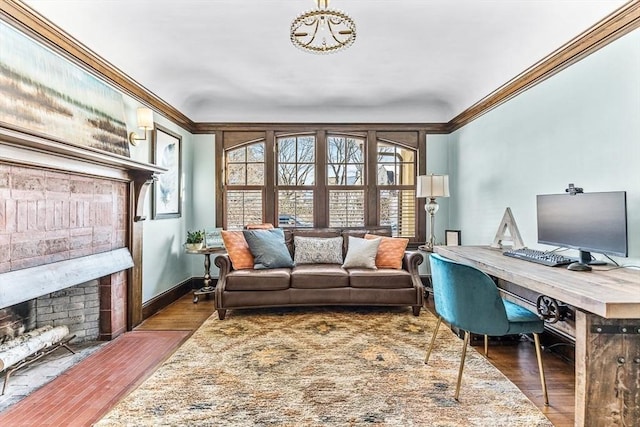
x=320 y=196
x=371 y=183
x=269 y=207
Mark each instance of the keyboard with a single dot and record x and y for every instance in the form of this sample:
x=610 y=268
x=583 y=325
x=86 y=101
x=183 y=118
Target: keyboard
x=550 y=259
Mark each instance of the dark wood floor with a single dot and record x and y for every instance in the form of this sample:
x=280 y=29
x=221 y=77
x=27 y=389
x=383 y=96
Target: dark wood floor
x=517 y=361
x=86 y=392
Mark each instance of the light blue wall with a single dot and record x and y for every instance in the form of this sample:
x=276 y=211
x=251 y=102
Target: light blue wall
x=165 y=264
x=438 y=164
x=203 y=210
x=580 y=126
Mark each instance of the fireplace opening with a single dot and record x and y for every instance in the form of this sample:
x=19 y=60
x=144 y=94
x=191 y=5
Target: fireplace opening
x=15 y=320
x=77 y=308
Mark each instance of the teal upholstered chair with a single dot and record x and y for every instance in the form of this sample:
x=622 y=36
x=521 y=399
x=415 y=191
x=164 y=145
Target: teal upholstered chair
x=468 y=299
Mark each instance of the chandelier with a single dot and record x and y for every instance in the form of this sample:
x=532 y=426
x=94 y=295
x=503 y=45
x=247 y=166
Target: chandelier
x=323 y=30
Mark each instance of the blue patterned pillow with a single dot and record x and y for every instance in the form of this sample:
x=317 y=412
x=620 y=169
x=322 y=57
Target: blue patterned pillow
x=317 y=250
x=268 y=248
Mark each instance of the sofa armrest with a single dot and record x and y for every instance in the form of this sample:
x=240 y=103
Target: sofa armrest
x=411 y=261
x=223 y=262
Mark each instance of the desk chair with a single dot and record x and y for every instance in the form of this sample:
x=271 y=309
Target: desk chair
x=468 y=299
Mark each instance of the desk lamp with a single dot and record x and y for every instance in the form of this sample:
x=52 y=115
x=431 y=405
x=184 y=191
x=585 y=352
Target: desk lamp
x=432 y=186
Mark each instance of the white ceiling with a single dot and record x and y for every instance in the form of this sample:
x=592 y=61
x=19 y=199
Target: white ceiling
x=413 y=60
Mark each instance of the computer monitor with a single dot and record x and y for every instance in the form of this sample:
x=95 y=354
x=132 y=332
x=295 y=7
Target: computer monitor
x=589 y=222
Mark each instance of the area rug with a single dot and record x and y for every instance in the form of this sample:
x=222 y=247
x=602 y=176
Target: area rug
x=323 y=367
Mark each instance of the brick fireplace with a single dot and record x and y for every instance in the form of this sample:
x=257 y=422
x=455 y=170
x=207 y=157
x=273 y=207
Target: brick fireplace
x=70 y=238
x=47 y=217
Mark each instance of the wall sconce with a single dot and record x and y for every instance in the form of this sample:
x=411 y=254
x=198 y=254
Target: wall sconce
x=145 y=121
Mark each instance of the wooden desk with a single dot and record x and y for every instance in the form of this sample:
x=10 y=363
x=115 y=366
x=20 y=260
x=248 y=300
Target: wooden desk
x=607 y=330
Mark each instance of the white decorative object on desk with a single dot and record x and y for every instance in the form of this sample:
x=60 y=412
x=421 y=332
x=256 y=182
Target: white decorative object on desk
x=508 y=222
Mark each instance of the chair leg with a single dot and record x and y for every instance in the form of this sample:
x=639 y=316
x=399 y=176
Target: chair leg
x=541 y=369
x=464 y=354
x=433 y=340
x=486 y=346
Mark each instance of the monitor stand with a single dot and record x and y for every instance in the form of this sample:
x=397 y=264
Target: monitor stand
x=582 y=264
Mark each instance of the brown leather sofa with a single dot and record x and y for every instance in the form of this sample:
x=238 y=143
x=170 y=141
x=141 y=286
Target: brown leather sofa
x=320 y=284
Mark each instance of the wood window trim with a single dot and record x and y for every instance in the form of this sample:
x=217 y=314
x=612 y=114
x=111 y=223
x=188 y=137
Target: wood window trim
x=411 y=138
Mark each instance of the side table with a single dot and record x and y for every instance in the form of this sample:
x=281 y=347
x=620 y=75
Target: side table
x=207 y=289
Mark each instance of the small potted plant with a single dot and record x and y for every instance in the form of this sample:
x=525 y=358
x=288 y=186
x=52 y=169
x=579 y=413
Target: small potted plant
x=195 y=240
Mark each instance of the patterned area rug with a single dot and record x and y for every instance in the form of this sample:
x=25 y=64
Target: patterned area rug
x=323 y=367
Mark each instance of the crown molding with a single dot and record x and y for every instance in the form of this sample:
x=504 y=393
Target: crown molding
x=614 y=26
x=432 y=128
x=29 y=21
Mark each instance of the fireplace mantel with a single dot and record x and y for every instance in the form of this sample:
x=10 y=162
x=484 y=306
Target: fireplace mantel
x=29 y=283
x=32 y=149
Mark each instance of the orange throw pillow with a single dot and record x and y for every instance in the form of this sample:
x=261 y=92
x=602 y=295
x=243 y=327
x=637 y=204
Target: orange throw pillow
x=390 y=252
x=238 y=250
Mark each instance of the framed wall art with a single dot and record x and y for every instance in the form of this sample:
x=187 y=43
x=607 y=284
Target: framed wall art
x=452 y=238
x=43 y=93
x=167 y=153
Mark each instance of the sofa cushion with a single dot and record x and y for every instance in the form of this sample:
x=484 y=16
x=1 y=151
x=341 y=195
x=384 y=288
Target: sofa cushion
x=384 y=278
x=361 y=253
x=390 y=252
x=319 y=276
x=238 y=249
x=268 y=248
x=317 y=250
x=291 y=233
x=258 y=280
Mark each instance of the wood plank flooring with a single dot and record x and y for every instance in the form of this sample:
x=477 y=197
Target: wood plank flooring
x=85 y=393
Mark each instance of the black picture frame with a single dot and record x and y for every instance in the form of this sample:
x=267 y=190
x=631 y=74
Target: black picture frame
x=452 y=237
x=167 y=194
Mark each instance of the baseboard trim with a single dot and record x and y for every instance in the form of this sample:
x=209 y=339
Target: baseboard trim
x=169 y=296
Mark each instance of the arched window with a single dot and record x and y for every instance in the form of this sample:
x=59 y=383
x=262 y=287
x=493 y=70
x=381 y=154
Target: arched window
x=322 y=178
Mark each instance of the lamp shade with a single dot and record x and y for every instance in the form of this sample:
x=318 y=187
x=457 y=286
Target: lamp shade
x=433 y=186
x=145 y=118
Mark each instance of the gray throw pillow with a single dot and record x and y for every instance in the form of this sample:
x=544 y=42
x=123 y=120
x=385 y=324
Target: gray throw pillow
x=317 y=250
x=361 y=253
x=268 y=248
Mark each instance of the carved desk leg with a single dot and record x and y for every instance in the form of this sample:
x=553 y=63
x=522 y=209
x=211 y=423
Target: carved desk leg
x=607 y=371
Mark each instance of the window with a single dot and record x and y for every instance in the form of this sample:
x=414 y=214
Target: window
x=245 y=178
x=345 y=179
x=345 y=160
x=396 y=176
x=296 y=180
x=321 y=178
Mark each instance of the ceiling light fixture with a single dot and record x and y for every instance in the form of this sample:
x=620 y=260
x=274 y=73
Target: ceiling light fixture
x=323 y=30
